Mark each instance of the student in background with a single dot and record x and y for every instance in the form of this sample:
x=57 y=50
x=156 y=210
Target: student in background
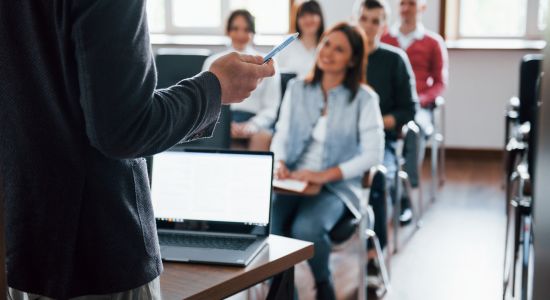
x=427 y=53
x=329 y=133
x=390 y=75
x=299 y=57
x=258 y=112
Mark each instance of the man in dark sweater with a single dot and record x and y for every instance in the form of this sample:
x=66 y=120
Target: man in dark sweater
x=78 y=108
x=390 y=75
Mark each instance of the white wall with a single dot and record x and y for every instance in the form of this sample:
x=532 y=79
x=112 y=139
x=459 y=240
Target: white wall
x=336 y=11
x=480 y=84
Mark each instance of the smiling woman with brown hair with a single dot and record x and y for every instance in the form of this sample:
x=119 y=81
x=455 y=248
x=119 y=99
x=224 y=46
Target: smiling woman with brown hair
x=329 y=133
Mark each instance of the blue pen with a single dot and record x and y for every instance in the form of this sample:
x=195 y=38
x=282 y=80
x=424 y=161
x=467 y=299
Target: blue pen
x=276 y=50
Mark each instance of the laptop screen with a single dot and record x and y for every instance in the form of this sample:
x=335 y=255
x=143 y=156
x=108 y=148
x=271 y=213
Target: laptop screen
x=212 y=187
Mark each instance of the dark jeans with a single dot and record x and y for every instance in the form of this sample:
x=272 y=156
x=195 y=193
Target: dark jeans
x=378 y=200
x=309 y=219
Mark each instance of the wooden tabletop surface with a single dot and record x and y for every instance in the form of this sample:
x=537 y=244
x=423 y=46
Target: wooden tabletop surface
x=196 y=281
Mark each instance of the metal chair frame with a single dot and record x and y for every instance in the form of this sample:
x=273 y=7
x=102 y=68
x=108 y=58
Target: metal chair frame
x=364 y=222
x=518 y=242
x=403 y=185
x=438 y=148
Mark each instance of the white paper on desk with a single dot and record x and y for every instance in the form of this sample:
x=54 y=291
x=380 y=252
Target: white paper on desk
x=290 y=185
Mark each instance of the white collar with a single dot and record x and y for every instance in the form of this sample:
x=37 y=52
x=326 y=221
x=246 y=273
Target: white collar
x=417 y=34
x=248 y=50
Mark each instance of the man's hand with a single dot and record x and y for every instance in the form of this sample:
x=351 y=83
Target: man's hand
x=239 y=75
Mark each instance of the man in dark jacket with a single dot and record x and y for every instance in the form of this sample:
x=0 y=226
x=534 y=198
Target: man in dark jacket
x=390 y=74
x=78 y=108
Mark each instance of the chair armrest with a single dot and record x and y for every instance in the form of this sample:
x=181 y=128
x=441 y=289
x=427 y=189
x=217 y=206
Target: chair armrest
x=439 y=101
x=410 y=126
x=513 y=104
x=523 y=132
x=368 y=177
x=525 y=187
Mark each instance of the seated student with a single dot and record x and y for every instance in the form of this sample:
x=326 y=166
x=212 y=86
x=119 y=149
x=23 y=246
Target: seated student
x=258 y=112
x=329 y=133
x=427 y=53
x=299 y=56
x=390 y=75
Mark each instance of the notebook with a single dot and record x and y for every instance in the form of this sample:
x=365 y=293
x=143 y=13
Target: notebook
x=212 y=206
x=290 y=185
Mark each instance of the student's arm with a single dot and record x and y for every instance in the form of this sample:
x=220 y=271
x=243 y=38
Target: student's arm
x=439 y=72
x=371 y=141
x=405 y=92
x=270 y=100
x=321 y=177
x=124 y=116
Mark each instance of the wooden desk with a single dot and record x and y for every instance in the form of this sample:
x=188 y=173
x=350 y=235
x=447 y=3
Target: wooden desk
x=194 y=281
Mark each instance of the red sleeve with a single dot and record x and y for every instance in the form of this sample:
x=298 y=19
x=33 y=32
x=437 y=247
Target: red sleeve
x=439 y=73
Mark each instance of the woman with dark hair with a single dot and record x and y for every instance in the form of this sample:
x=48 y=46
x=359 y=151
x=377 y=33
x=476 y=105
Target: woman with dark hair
x=257 y=113
x=299 y=57
x=329 y=133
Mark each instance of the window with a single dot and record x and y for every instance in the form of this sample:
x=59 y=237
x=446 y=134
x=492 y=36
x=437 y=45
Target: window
x=208 y=17
x=515 y=19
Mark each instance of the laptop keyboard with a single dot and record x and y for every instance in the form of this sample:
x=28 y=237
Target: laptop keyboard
x=202 y=241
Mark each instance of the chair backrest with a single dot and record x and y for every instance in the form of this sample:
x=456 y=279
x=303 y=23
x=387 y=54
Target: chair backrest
x=3 y=282
x=533 y=133
x=285 y=78
x=174 y=65
x=412 y=152
x=530 y=69
x=530 y=73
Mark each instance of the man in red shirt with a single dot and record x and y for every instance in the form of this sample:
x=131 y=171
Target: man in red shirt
x=429 y=59
x=425 y=49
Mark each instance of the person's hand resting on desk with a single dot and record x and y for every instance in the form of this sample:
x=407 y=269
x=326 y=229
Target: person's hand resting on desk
x=239 y=75
x=315 y=177
x=243 y=129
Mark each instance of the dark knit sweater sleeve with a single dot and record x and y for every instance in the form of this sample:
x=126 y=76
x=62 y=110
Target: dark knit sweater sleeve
x=124 y=116
x=405 y=92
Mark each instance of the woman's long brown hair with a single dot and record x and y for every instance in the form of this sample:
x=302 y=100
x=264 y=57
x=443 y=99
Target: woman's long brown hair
x=355 y=74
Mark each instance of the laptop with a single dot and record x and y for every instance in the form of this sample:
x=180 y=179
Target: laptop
x=212 y=206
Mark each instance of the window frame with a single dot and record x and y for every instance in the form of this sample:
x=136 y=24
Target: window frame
x=171 y=29
x=451 y=18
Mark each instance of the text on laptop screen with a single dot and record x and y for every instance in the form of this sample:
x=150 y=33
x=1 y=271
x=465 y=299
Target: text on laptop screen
x=225 y=187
